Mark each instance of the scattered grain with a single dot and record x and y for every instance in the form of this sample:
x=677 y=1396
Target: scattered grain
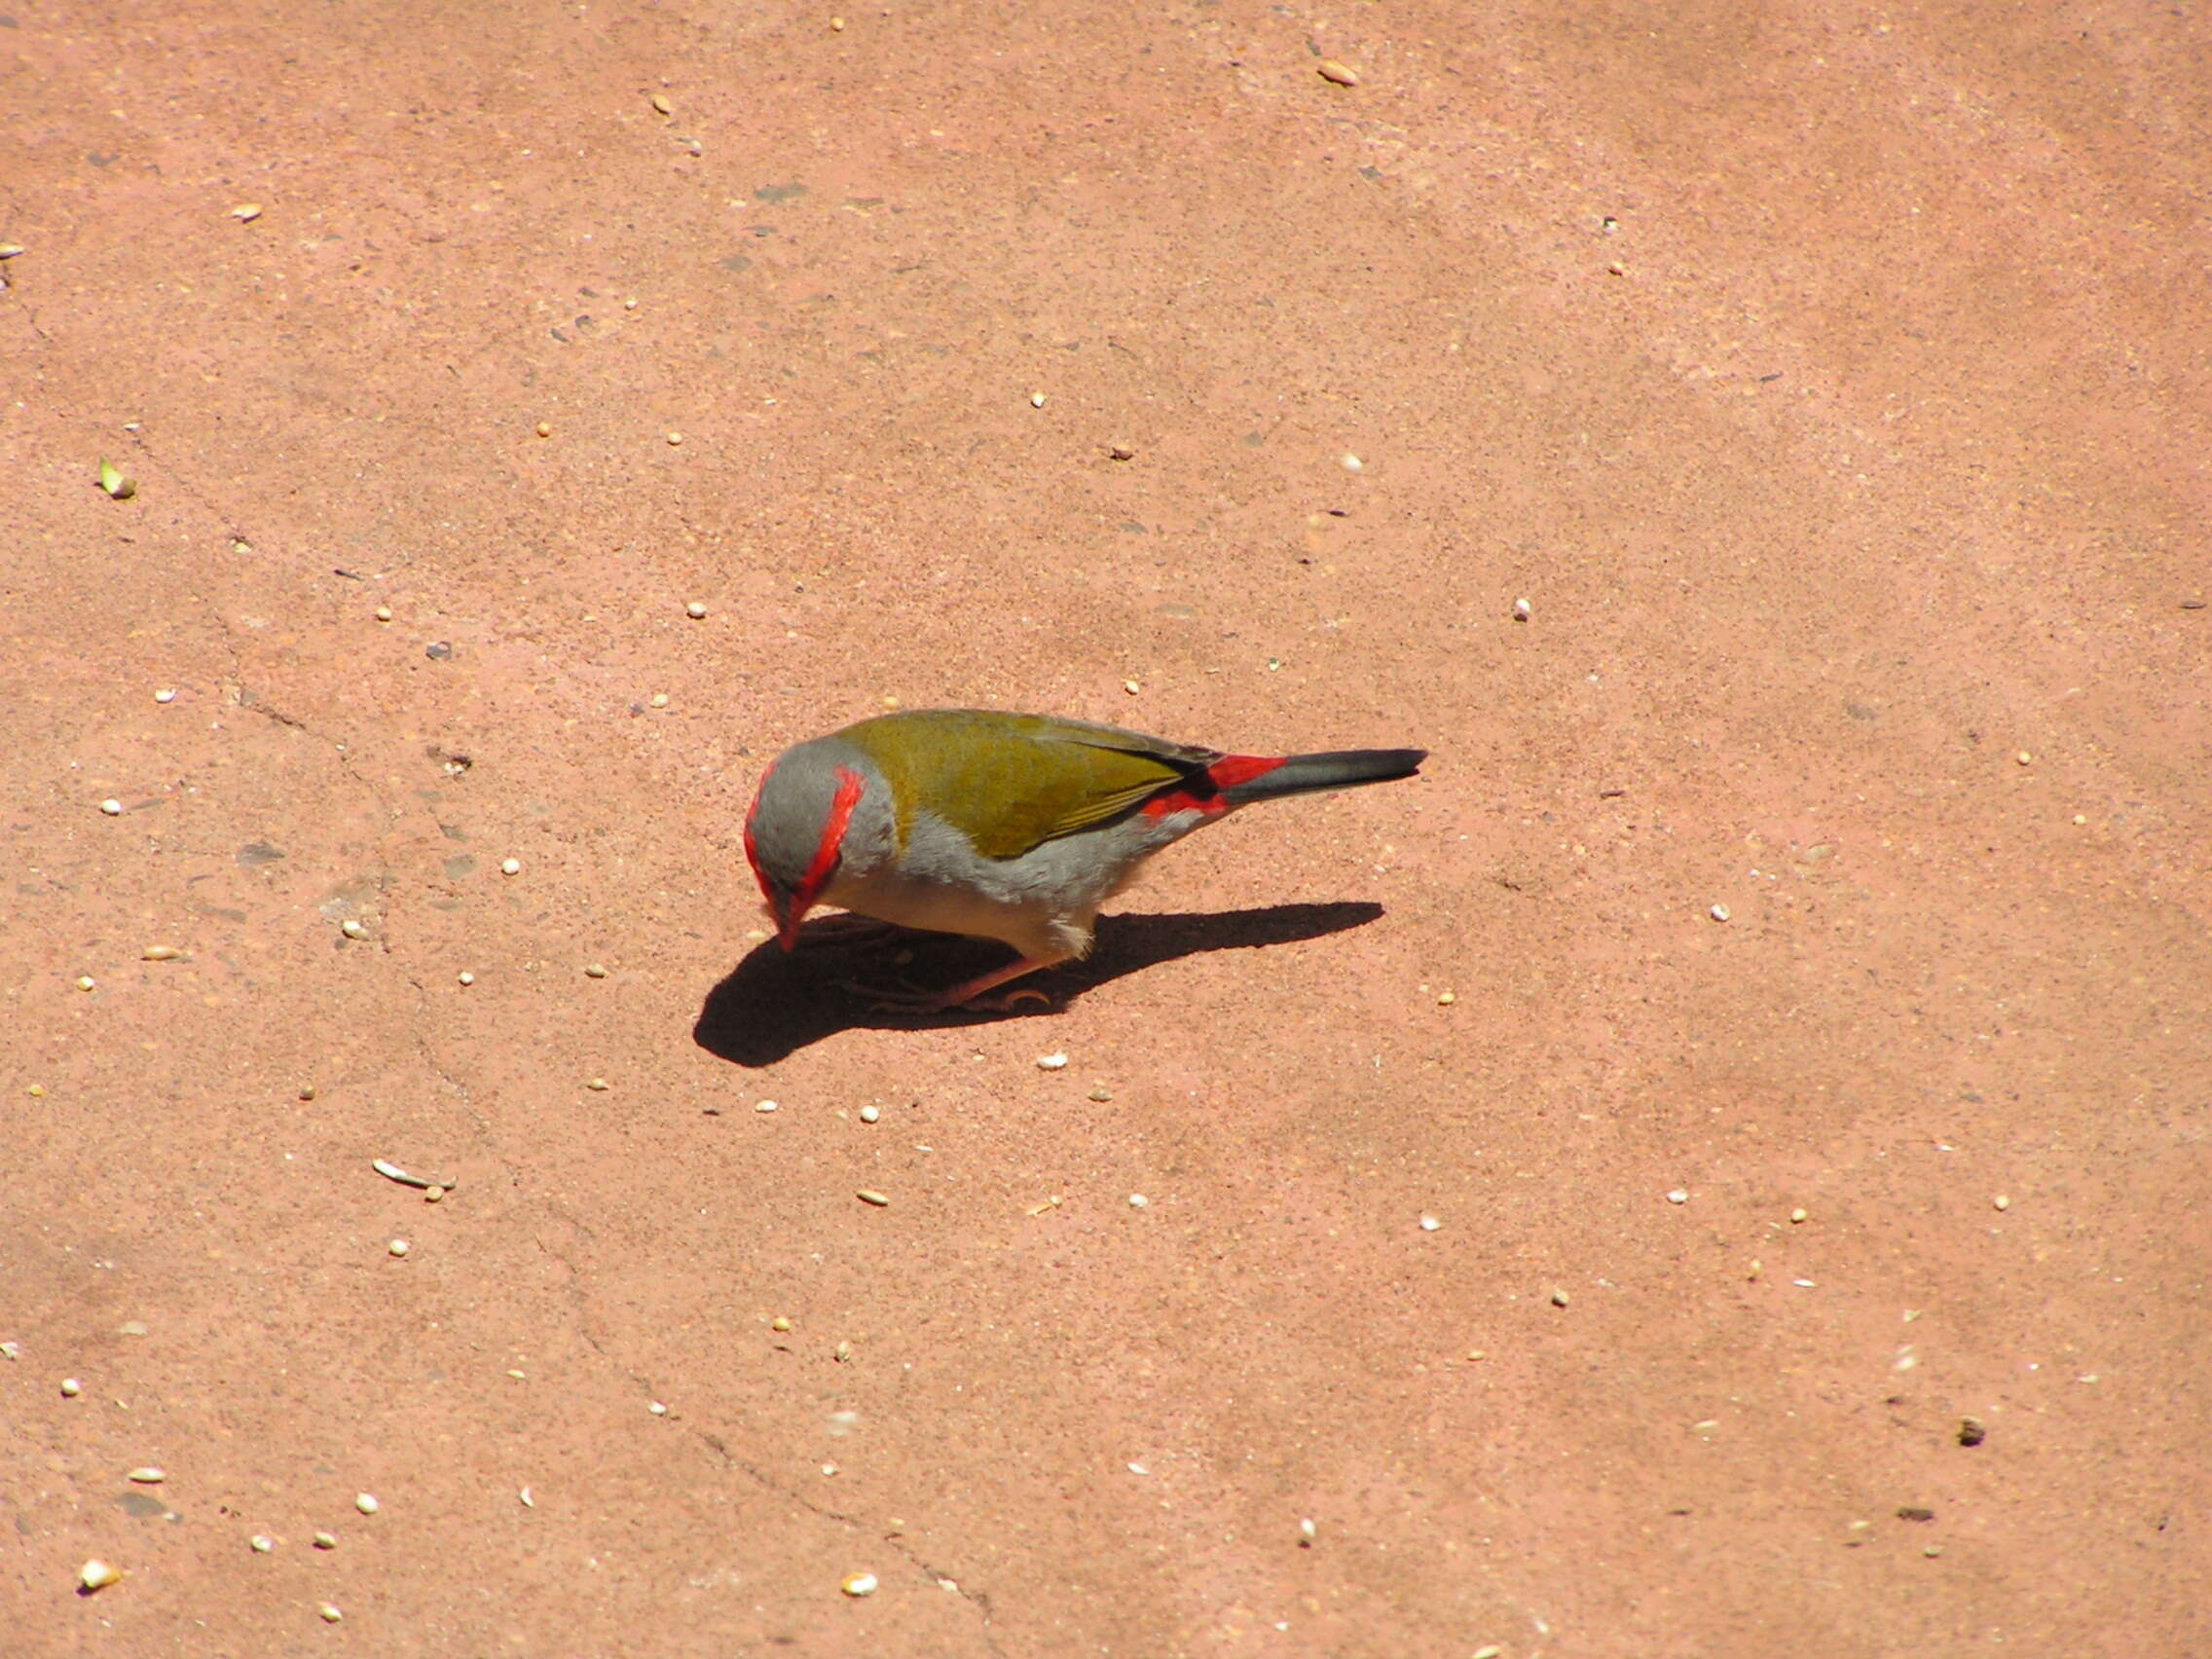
x=869 y=1114
x=71 y=1387
x=98 y=1574
x=2001 y=1201
x=166 y=694
x=661 y=105
x=261 y=1543
x=383 y=613
x=1052 y=1062
x=870 y=1196
x=352 y=928
x=1429 y=1224
x=1523 y=611
x=161 y=953
x=466 y=977
x=148 y=1476
x=857 y=1584
x=112 y=807
x=1338 y=74
x=1678 y=1196
x=1718 y=913
x=510 y=867
x=397 y=1247
x=325 y=1541
x=1558 y=1298
x=694 y=611
x=594 y=971
x=597 y=1084
x=246 y=212
x=1307 y=1534
x=1137 y=1200
x=330 y=1614
x=366 y=1504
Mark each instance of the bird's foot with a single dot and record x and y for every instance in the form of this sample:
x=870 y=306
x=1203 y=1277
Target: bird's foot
x=848 y=927
x=913 y=999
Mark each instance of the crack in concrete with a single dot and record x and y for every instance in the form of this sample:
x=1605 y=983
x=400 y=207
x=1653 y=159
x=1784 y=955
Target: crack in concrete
x=980 y=1600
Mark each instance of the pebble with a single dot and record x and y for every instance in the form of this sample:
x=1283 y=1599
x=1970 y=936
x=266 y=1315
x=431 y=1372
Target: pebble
x=98 y=1574
x=366 y=1502
x=2024 y=758
x=869 y=1114
x=1122 y=452
x=593 y=970
x=1052 y=1062
x=1796 y=1217
x=1099 y=1094
x=1352 y=463
x=1558 y=1298
x=778 y=1323
x=857 y=1584
x=510 y=867
x=661 y=105
x=113 y=808
x=1718 y=913
x=657 y=1408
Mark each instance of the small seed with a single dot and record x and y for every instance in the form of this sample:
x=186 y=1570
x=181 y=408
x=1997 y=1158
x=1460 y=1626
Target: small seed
x=674 y=438
x=365 y=1502
x=246 y=212
x=597 y=1084
x=325 y=1541
x=71 y=1387
x=307 y=1091
x=836 y=25
x=86 y=982
x=765 y=1106
x=1718 y=913
x=262 y=1543
x=661 y=105
x=778 y=1323
x=657 y=1408
x=694 y=611
x=544 y=429
x=1036 y=400
x=1797 y=1216
x=870 y=1196
x=593 y=970
x=330 y=1614
x=1445 y=999
x=161 y=953
x=859 y=1584
x=465 y=976
x=1429 y=1224
x=1352 y=463
x=1307 y=1531
x=2002 y=1201
x=1342 y=75
x=352 y=928
x=148 y=1476
x=869 y=1114
x=398 y=1247
x=843 y=1352
x=1137 y=1200
x=1131 y=688
x=2025 y=758
x=112 y=807
x=510 y=867
x=528 y=1501
x=1678 y=1196
x=1099 y=1094
x=433 y=1194
x=1558 y=1298
x=118 y=483
x=659 y=699
x=383 y=613
x=98 y=1574
x=1523 y=611
x=1052 y=1062
x=166 y=694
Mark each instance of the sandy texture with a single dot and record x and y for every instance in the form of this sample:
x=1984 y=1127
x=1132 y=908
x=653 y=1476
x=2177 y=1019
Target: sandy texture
x=1830 y=382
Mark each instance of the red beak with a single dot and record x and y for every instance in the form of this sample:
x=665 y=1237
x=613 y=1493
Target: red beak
x=789 y=924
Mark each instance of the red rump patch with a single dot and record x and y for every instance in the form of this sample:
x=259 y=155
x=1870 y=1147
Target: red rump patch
x=1204 y=796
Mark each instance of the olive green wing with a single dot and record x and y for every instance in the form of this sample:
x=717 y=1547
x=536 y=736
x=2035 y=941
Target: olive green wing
x=1011 y=783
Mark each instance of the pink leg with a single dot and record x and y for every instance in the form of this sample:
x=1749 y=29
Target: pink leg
x=969 y=993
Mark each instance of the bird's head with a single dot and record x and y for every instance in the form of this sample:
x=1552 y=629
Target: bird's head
x=795 y=830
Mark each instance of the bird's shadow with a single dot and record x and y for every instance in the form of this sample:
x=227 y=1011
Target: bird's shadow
x=772 y=1004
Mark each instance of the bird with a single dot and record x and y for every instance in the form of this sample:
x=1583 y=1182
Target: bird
x=1000 y=825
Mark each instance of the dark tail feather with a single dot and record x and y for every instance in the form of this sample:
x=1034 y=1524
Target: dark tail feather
x=1302 y=774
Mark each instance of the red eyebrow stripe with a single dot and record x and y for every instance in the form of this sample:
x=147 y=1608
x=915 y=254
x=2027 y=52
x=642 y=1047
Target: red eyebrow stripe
x=841 y=804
